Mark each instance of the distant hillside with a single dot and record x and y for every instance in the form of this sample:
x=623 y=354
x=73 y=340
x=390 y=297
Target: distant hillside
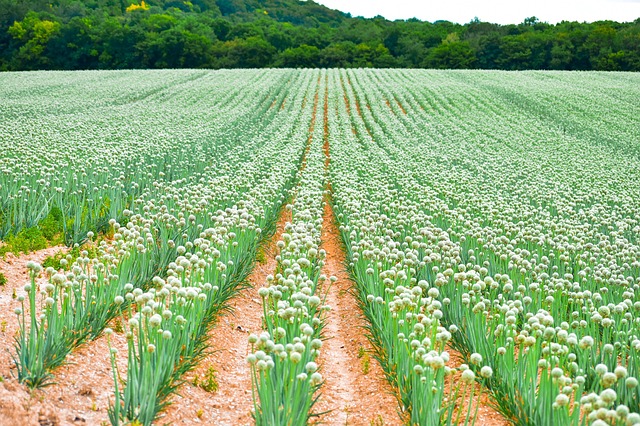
x=114 y=34
x=307 y=13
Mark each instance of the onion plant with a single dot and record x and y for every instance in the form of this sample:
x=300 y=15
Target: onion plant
x=285 y=376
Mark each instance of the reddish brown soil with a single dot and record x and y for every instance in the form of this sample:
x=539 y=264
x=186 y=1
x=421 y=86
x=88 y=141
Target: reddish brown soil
x=389 y=105
x=401 y=106
x=355 y=391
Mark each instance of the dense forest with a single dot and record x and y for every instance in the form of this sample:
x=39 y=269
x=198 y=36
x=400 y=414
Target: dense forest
x=114 y=34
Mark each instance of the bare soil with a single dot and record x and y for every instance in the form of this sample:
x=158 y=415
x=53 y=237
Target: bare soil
x=355 y=391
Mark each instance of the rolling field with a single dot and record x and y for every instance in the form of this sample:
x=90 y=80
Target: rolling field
x=291 y=247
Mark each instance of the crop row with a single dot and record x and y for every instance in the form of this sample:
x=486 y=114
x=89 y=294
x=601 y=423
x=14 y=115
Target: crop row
x=283 y=357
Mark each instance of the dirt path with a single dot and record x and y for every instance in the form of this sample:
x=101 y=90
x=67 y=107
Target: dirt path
x=355 y=389
x=231 y=403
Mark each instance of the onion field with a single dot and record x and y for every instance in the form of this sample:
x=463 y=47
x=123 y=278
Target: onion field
x=487 y=227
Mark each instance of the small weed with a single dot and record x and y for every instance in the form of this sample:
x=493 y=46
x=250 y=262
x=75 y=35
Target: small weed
x=3 y=326
x=200 y=413
x=361 y=352
x=56 y=263
x=366 y=363
x=51 y=227
x=377 y=421
x=261 y=257
x=209 y=383
x=117 y=326
x=26 y=241
x=49 y=232
x=3 y=279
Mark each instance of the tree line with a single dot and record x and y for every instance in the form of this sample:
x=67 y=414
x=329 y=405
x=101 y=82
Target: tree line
x=117 y=34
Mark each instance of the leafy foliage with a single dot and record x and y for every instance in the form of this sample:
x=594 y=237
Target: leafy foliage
x=105 y=34
x=26 y=241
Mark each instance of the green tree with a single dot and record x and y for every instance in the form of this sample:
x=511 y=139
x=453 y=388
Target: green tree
x=34 y=35
x=451 y=54
x=299 y=57
x=253 y=52
x=561 y=53
x=338 y=55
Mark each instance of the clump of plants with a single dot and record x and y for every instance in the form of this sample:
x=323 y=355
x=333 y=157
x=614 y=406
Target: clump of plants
x=52 y=227
x=49 y=232
x=209 y=383
x=26 y=241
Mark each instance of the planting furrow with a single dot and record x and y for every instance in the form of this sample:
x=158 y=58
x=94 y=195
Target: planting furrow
x=354 y=391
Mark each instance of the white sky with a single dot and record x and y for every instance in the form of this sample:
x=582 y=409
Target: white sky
x=498 y=11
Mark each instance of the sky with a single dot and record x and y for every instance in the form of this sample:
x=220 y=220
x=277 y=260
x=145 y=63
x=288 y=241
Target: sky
x=497 y=11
